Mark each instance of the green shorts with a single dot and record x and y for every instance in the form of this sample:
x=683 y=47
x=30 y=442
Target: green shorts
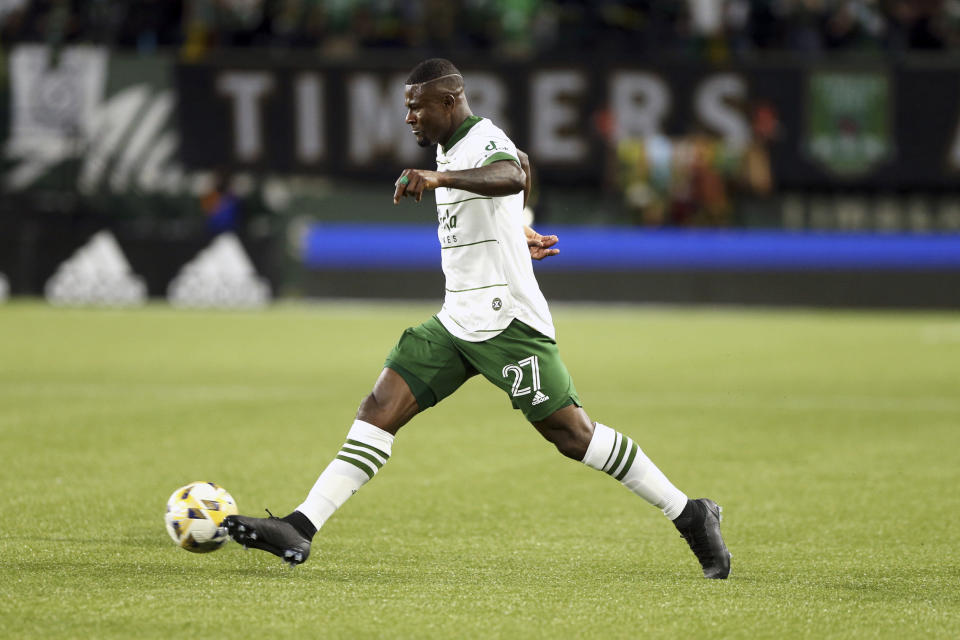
x=521 y=361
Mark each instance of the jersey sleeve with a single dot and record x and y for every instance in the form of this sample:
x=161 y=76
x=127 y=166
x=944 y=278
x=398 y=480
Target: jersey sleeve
x=490 y=149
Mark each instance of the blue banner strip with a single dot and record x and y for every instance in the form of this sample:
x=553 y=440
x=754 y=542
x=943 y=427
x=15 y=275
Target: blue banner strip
x=623 y=248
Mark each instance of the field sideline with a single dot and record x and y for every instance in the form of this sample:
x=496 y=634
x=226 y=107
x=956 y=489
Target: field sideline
x=832 y=439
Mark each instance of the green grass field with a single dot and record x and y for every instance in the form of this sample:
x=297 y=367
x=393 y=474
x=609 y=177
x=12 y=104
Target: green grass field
x=832 y=440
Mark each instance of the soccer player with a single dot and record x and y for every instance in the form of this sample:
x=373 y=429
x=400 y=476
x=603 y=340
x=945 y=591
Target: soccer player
x=494 y=322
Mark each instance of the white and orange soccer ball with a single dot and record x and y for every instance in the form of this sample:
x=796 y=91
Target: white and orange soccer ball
x=195 y=514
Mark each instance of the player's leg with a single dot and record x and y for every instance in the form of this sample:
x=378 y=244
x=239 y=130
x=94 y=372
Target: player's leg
x=419 y=372
x=527 y=365
x=367 y=448
x=600 y=447
x=390 y=405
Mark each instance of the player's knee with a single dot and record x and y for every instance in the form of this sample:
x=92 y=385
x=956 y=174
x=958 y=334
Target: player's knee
x=569 y=440
x=368 y=408
x=570 y=430
x=571 y=447
x=374 y=412
x=386 y=412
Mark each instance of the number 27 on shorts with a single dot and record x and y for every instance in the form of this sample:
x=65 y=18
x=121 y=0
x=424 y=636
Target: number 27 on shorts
x=517 y=373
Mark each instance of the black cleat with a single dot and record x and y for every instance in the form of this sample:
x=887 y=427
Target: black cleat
x=270 y=534
x=703 y=536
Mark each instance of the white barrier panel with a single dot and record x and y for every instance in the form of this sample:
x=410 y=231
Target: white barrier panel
x=220 y=276
x=97 y=274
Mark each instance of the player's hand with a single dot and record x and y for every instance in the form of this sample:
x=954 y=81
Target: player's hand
x=540 y=246
x=413 y=182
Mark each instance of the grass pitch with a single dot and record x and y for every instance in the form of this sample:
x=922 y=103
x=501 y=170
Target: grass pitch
x=831 y=439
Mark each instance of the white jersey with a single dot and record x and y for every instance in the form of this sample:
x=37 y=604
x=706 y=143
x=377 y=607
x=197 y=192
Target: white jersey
x=488 y=269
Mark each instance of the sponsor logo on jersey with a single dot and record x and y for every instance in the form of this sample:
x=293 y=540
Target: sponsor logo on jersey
x=497 y=304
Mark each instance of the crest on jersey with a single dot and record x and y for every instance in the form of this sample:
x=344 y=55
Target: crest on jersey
x=497 y=304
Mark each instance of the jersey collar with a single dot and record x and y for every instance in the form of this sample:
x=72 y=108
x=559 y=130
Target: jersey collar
x=461 y=131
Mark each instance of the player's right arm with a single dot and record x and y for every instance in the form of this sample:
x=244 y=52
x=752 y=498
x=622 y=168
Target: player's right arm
x=501 y=178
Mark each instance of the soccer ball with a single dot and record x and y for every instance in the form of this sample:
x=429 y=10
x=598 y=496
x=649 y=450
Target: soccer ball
x=195 y=513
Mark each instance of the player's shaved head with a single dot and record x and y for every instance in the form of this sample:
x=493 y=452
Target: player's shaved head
x=436 y=77
x=433 y=69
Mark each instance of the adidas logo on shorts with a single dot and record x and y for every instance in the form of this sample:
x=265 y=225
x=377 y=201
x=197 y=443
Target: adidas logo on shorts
x=539 y=397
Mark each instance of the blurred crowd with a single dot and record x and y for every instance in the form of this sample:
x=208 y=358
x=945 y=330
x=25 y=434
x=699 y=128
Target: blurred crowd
x=695 y=179
x=710 y=28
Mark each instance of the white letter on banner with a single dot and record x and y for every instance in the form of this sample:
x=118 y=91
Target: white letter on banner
x=714 y=110
x=555 y=123
x=308 y=89
x=376 y=120
x=246 y=89
x=639 y=102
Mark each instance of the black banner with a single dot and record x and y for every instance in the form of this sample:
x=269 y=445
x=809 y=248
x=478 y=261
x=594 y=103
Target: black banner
x=876 y=126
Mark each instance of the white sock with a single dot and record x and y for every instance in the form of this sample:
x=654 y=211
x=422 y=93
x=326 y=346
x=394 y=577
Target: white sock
x=366 y=450
x=614 y=453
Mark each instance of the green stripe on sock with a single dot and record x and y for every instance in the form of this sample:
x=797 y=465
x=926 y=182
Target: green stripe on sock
x=612 y=449
x=358 y=465
x=362 y=454
x=629 y=462
x=357 y=443
x=623 y=450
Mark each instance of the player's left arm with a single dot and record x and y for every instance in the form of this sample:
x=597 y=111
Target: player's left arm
x=500 y=178
x=539 y=245
x=525 y=165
